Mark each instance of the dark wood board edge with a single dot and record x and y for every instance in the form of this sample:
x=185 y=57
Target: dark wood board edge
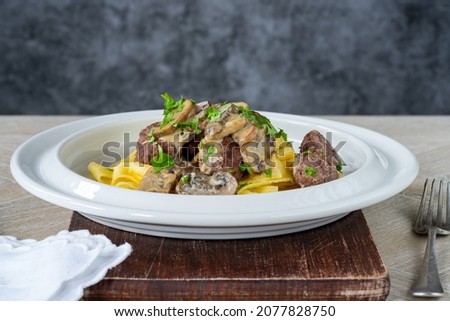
x=241 y=290
x=113 y=287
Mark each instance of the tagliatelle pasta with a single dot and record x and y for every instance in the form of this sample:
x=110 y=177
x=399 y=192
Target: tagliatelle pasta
x=99 y=173
x=126 y=174
x=278 y=177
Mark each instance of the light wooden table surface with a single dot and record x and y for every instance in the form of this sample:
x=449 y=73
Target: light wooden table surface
x=428 y=137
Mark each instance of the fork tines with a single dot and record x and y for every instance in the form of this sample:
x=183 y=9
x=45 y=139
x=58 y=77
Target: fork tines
x=435 y=199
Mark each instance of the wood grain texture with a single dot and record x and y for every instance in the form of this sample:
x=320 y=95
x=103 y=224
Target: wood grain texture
x=338 y=261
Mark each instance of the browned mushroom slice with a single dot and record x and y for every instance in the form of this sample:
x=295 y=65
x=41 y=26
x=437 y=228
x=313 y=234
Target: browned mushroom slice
x=161 y=182
x=174 y=142
x=246 y=134
x=219 y=130
x=203 y=105
x=220 y=183
x=256 y=152
x=241 y=104
x=181 y=116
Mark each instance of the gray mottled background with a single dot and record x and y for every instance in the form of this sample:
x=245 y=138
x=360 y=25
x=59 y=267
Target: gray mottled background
x=302 y=57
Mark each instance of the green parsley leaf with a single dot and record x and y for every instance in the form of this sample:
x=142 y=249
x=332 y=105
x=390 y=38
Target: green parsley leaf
x=263 y=120
x=185 y=179
x=281 y=134
x=309 y=171
x=192 y=125
x=245 y=167
x=272 y=131
x=212 y=113
x=260 y=121
x=170 y=104
x=161 y=161
x=339 y=166
x=167 y=119
x=170 y=107
x=248 y=113
x=150 y=137
x=268 y=172
x=243 y=184
x=209 y=151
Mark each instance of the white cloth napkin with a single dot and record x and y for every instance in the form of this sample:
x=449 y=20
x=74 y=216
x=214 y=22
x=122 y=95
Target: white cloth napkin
x=56 y=268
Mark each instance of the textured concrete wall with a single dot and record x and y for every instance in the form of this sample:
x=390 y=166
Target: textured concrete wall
x=302 y=57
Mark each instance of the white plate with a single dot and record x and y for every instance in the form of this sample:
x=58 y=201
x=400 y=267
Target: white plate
x=53 y=166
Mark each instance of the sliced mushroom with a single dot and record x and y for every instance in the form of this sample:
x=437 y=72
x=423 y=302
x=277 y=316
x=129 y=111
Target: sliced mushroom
x=161 y=182
x=216 y=130
x=220 y=183
x=209 y=162
x=241 y=104
x=178 y=117
x=257 y=152
x=201 y=106
x=176 y=140
x=232 y=126
x=213 y=129
x=246 y=134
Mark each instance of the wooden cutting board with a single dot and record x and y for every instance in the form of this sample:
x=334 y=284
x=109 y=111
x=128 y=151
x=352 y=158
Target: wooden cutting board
x=338 y=261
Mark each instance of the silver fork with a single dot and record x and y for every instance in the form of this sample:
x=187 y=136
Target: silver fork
x=428 y=283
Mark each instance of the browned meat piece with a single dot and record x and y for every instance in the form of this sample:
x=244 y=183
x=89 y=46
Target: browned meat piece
x=232 y=157
x=225 y=156
x=144 y=150
x=317 y=162
x=190 y=149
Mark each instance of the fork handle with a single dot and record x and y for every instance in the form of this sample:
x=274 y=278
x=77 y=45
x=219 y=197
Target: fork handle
x=428 y=284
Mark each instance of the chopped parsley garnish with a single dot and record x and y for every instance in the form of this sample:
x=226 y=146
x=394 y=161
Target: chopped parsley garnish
x=309 y=171
x=170 y=108
x=209 y=151
x=150 y=137
x=170 y=104
x=248 y=113
x=339 y=166
x=161 y=161
x=245 y=167
x=281 y=134
x=268 y=172
x=185 y=179
x=213 y=113
x=192 y=125
x=260 y=121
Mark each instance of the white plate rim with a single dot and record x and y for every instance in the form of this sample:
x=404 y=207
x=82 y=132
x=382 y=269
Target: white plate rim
x=382 y=145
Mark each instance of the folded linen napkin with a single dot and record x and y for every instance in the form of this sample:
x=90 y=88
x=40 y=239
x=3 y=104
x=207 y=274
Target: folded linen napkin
x=56 y=268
